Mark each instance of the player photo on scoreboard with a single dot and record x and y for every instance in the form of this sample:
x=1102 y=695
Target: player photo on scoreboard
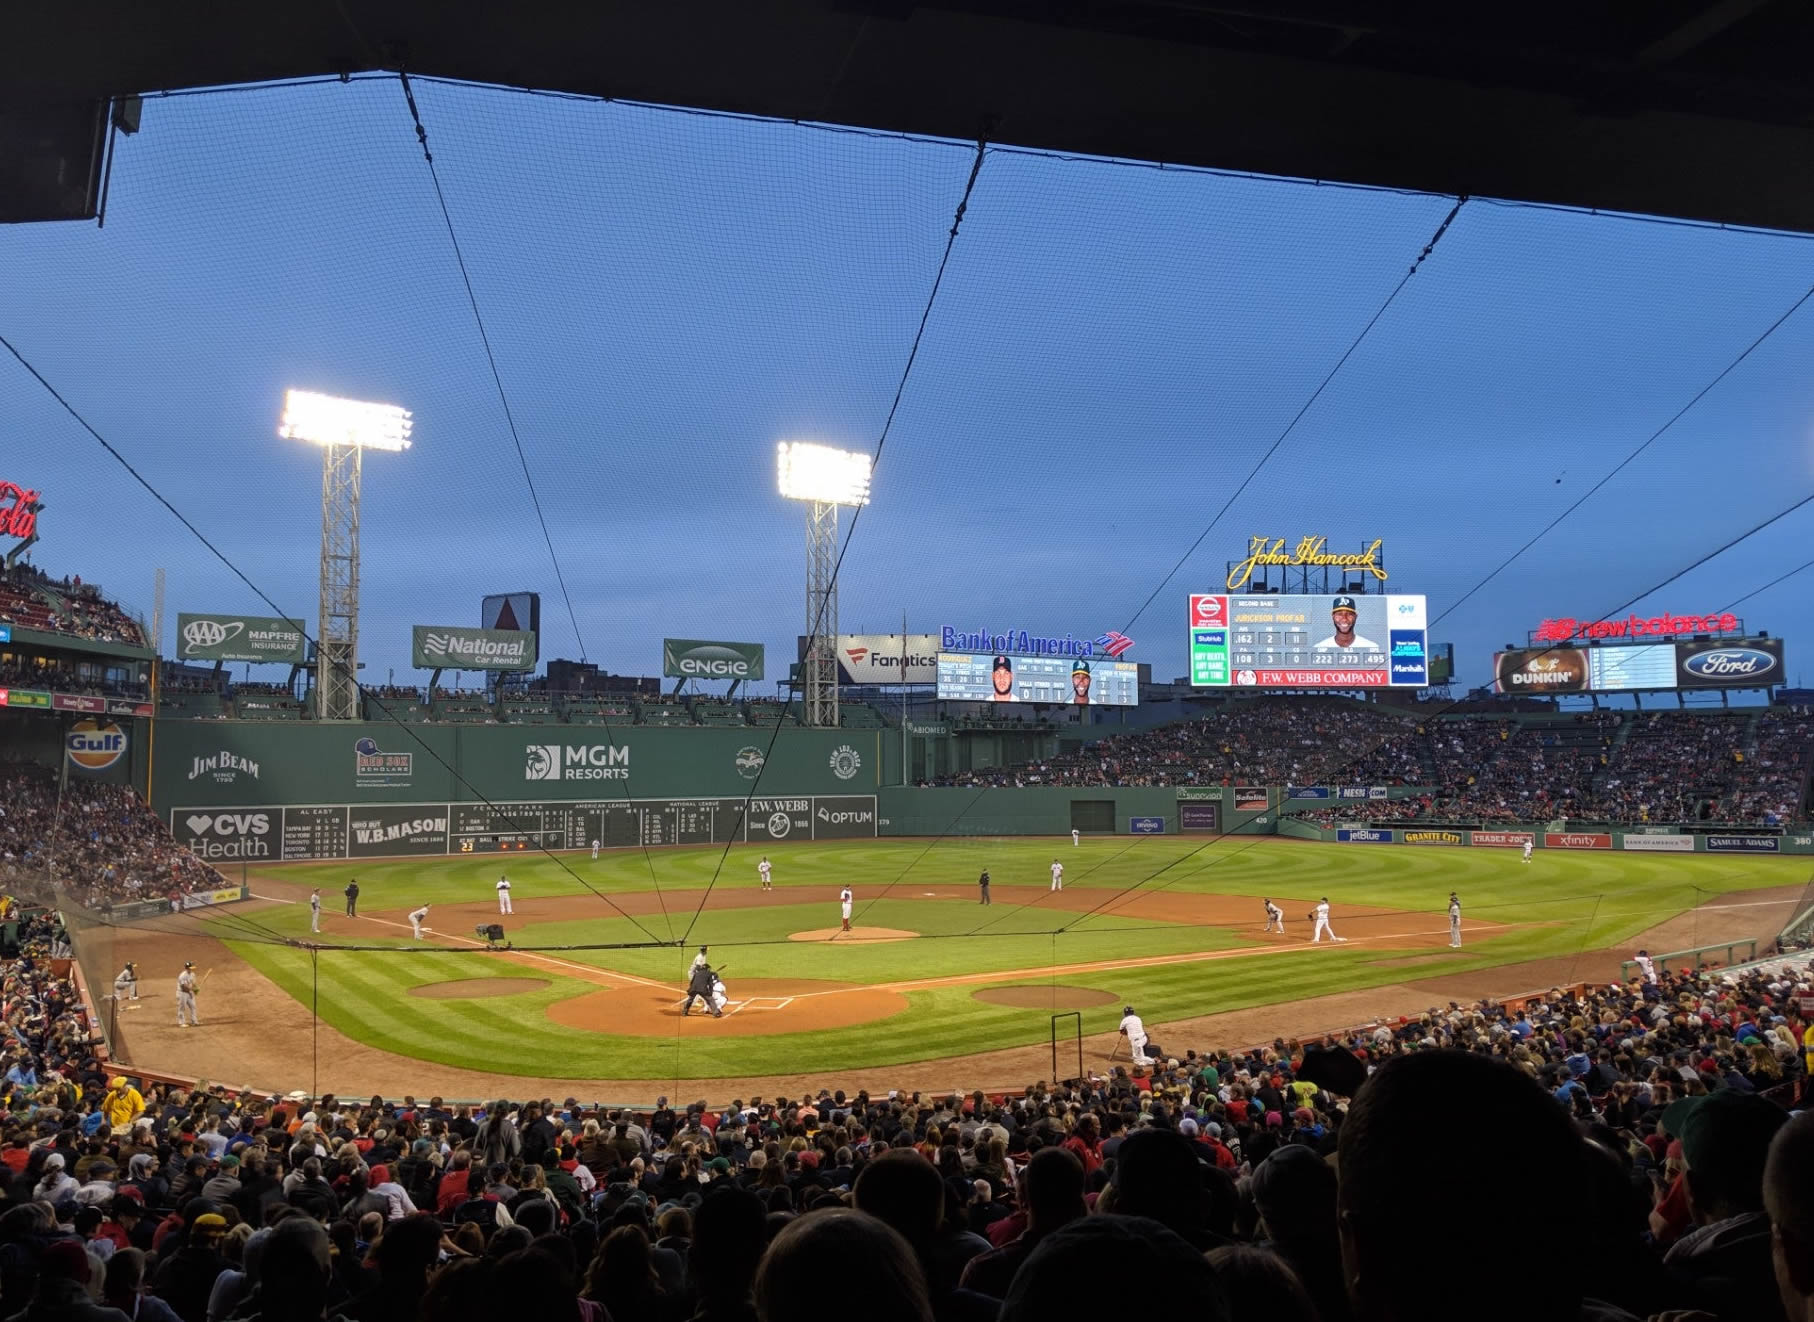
x=1353 y=626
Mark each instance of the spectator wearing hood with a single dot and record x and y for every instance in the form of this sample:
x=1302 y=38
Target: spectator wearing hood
x=56 y=1183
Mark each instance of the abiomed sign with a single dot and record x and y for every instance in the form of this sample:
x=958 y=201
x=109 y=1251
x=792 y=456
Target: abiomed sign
x=694 y=658
x=438 y=647
x=1263 y=552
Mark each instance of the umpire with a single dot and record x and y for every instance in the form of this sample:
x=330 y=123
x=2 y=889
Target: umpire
x=699 y=987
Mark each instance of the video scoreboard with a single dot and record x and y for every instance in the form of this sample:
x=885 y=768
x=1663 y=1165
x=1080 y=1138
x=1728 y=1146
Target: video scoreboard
x=1338 y=640
x=1092 y=681
x=1701 y=663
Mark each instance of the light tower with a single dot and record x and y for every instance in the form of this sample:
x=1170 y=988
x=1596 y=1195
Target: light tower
x=344 y=429
x=824 y=478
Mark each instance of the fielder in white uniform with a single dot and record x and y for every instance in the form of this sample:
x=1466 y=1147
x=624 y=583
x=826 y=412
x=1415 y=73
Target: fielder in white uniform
x=844 y=898
x=1321 y=915
x=315 y=911
x=1275 y=918
x=699 y=962
x=1454 y=921
x=1135 y=1033
x=1645 y=967
x=595 y=851
x=1528 y=846
x=1076 y=837
x=504 y=895
x=1057 y=875
x=762 y=870
x=126 y=985
x=416 y=918
x=185 y=998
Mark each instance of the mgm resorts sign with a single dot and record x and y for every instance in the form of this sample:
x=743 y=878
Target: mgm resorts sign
x=695 y=658
x=436 y=647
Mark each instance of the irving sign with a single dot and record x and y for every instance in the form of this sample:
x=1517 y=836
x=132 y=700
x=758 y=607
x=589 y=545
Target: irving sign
x=438 y=647
x=1310 y=552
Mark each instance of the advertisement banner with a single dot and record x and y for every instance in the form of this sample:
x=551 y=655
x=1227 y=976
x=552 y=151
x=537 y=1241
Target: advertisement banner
x=1744 y=844
x=780 y=819
x=380 y=832
x=228 y=836
x=1360 y=836
x=1352 y=792
x=1146 y=826
x=202 y=899
x=126 y=707
x=1306 y=792
x=1378 y=792
x=448 y=647
x=23 y=698
x=92 y=745
x=1252 y=798
x=1551 y=670
x=885 y=658
x=1745 y=663
x=1195 y=815
x=1576 y=840
x=77 y=702
x=1658 y=844
x=1501 y=839
x=1431 y=837
x=1203 y=794
x=697 y=658
x=239 y=638
x=844 y=817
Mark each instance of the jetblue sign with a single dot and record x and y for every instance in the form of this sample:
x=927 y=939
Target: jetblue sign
x=1358 y=836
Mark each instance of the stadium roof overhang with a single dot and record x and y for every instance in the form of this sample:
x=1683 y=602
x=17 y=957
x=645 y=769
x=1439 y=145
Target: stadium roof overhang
x=1689 y=108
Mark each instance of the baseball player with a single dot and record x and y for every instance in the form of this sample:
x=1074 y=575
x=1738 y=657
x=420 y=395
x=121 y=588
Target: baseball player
x=504 y=895
x=700 y=984
x=1076 y=837
x=1135 y=1033
x=1454 y=921
x=1275 y=918
x=315 y=910
x=762 y=870
x=1528 y=846
x=1321 y=915
x=982 y=884
x=126 y=985
x=352 y=898
x=185 y=998
x=416 y=918
x=699 y=962
x=595 y=851
x=844 y=898
x=1645 y=967
x=1057 y=875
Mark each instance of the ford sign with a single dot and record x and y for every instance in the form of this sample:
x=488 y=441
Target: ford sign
x=1730 y=663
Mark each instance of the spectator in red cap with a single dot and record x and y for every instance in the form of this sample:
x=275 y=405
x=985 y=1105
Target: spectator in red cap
x=65 y=1274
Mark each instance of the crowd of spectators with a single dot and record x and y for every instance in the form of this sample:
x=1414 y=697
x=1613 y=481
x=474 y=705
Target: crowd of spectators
x=33 y=599
x=1668 y=767
x=60 y=676
x=1634 y=1139
x=99 y=842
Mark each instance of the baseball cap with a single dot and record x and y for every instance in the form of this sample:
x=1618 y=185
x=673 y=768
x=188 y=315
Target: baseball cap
x=1344 y=603
x=1001 y=663
x=1728 y=1131
x=1080 y=666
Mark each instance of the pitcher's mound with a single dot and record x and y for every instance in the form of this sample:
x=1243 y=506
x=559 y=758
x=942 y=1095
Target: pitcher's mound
x=472 y=989
x=856 y=935
x=1044 y=998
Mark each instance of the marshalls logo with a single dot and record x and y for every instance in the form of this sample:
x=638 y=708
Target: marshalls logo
x=845 y=762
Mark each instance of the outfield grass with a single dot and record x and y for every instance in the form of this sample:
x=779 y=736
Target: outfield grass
x=1565 y=903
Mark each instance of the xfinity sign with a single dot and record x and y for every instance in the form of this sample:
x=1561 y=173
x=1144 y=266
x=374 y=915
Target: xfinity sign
x=438 y=647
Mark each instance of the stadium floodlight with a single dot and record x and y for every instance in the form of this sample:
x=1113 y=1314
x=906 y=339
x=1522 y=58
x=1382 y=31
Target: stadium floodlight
x=818 y=473
x=344 y=429
x=326 y=420
x=824 y=479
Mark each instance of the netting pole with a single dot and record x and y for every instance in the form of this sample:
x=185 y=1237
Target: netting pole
x=315 y=1021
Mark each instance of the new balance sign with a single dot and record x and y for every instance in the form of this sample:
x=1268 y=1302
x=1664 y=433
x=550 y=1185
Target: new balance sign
x=448 y=648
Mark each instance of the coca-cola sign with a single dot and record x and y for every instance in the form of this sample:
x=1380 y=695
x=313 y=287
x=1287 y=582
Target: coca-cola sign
x=18 y=511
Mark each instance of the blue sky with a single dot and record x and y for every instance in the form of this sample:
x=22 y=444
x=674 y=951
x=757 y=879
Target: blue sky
x=671 y=294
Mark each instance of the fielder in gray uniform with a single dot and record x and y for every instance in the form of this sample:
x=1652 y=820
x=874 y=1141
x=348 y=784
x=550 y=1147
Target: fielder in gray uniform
x=1454 y=921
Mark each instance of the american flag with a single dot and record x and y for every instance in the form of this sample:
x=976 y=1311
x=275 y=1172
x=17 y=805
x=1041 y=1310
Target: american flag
x=1114 y=643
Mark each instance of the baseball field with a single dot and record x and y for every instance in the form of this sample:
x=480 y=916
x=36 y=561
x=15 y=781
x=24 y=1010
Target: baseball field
x=591 y=984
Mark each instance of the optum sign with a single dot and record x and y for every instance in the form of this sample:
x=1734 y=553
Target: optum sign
x=695 y=658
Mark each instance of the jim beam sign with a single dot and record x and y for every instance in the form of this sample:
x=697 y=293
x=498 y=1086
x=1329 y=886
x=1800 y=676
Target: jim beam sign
x=1309 y=553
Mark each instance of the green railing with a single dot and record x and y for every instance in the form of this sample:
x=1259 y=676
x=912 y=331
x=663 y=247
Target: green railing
x=1725 y=953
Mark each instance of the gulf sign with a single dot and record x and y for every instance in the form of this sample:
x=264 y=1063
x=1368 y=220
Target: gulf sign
x=94 y=745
